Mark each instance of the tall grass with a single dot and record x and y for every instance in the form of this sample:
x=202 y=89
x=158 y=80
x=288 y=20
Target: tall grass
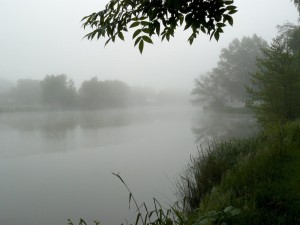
x=259 y=184
x=208 y=167
x=145 y=215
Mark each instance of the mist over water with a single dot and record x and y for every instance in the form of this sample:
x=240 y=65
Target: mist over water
x=57 y=165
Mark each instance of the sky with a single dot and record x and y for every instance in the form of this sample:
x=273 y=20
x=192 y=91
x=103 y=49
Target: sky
x=39 y=38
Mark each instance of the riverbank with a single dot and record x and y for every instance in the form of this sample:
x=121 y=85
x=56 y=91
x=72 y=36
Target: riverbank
x=262 y=187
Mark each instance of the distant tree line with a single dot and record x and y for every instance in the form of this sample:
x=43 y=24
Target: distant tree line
x=266 y=78
x=59 y=92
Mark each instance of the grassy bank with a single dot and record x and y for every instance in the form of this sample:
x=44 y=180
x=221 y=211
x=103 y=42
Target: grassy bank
x=261 y=186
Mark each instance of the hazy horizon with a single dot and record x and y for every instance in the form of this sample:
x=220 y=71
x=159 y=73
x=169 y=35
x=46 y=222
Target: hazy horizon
x=44 y=38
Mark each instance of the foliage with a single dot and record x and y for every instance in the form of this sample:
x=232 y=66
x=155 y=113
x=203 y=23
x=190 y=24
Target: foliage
x=95 y=94
x=224 y=85
x=58 y=91
x=297 y=4
x=160 y=17
x=157 y=216
x=275 y=90
x=261 y=183
x=207 y=169
x=5 y=86
x=222 y=217
x=27 y=92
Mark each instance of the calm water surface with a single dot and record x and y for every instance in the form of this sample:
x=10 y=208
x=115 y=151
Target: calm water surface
x=58 y=165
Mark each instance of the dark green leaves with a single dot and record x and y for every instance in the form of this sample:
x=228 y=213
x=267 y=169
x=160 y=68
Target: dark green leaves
x=141 y=46
x=147 y=39
x=135 y=24
x=121 y=36
x=159 y=17
x=228 y=18
x=136 y=33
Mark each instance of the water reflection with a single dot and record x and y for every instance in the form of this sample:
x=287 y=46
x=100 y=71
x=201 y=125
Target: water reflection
x=25 y=134
x=61 y=122
x=92 y=120
x=221 y=126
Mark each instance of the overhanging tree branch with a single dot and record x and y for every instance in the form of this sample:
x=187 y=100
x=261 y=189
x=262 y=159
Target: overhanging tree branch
x=159 y=17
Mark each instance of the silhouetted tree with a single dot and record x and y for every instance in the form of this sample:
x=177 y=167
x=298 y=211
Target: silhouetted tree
x=275 y=92
x=297 y=4
x=27 y=91
x=159 y=17
x=58 y=91
x=89 y=94
x=225 y=84
x=95 y=94
x=5 y=86
x=117 y=93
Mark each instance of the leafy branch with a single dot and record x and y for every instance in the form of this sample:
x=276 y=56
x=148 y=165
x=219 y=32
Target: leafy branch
x=159 y=17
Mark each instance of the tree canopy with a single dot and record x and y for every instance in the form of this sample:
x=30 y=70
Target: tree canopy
x=297 y=4
x=275 y=92
x=159 y=17
x=225 y=84
x=96 y=94
x=58 y=91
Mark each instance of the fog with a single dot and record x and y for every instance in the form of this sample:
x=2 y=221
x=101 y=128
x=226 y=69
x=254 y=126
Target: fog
x=41 y=38
x=72 y=112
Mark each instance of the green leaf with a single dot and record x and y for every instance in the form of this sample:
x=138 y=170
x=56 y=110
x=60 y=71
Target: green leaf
x=211 y=35
x=147 y=31
x=229 y=19
x=121 y=36
x=145 y=23
x=221 y=25
x=181 y=19
x=203 y=29
x=232 y=12
x=137 y=41
x=141 y=46
x=136 y=33
x=168 y=37
x=108 y=40
x=230 y=8
x=135 y=24
x=147 y=39
x=228 y=2
x=157 y=29
x=217 y=35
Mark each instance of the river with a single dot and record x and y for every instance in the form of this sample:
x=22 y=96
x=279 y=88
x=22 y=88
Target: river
x=58 y=165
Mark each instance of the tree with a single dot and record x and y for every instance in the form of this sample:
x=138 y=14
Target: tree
x=209 y=92
x=275 y=90
x=27 y=91
x=297 y=4
x=160 y=17
x=225 y=84
x=58 y=91
x=95 y=94
x=89 y=94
